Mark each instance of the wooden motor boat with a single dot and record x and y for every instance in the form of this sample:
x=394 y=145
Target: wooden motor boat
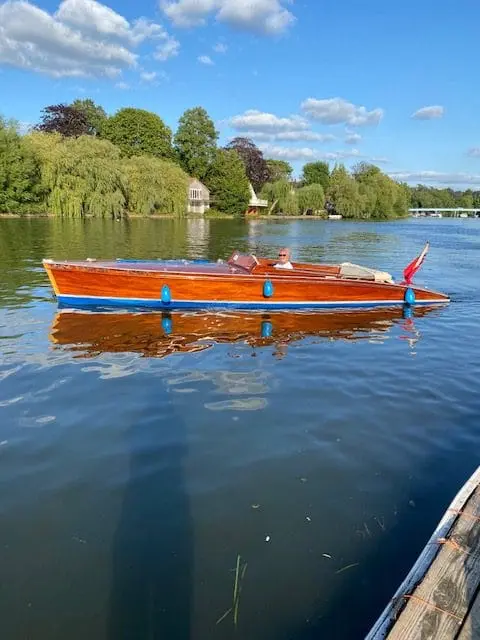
x=154 y=334
x=242 y=282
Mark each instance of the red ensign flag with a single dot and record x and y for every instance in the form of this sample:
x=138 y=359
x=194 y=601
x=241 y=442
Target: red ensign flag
x=411 y=269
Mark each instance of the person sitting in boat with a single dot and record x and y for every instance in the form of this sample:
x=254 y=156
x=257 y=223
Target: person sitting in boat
x=284 y=259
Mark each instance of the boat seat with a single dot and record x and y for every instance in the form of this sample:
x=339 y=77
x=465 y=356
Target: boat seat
x=243 y=261
x=355 y=271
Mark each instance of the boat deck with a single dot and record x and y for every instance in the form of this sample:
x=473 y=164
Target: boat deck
x=440 y=599
x=203 y=267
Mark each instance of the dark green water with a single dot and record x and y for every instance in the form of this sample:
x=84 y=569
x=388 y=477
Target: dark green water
x=130 y=482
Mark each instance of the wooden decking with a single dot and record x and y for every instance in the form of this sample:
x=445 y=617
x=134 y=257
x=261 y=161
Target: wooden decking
x=439 y=599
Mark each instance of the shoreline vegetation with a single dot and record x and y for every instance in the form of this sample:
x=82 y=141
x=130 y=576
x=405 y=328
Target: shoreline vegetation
x=80 y=162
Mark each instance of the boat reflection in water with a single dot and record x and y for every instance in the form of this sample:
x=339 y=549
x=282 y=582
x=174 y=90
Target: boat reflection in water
x=159 y=334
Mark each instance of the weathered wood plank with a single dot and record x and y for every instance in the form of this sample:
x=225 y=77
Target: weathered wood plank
x=471 y=627
x=440 y=602
x=391 y=612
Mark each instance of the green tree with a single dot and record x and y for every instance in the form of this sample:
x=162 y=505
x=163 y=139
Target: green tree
x=195 y=142
x=228 y=183
x=363 y=171
x=279 y=170
x=20 y=180
x=137 y=132
x=152 y=185
x=402 y=200
x=466 y=200
x=94 y=114
x=281 y=197
x=81 y=176
x=311 y=197
x=316 y=173
x=383 y=198
x=344 y=192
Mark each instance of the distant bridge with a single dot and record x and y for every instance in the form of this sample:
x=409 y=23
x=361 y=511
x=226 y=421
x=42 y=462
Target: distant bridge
x=438 y=212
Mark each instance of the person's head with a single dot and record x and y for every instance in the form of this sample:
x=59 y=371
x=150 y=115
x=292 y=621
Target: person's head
x=284 y=255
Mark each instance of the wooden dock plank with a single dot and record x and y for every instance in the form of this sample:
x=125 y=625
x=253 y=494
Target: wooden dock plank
x=471 y=627
x=394 y=607
x=439 y=604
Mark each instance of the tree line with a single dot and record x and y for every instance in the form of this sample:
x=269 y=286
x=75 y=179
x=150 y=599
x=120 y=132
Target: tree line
x=79 y=161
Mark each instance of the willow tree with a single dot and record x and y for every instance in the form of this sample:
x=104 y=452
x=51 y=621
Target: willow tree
x=311 y=197
x=383 y=197
x=152 y=185
x=281 y=197
x=20 y=179
x=82 y=176
x=344 y=192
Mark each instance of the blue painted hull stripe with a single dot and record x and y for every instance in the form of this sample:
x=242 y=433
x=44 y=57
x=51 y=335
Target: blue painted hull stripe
x=95 y=301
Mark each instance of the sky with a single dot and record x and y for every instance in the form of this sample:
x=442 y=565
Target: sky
x=375 y=81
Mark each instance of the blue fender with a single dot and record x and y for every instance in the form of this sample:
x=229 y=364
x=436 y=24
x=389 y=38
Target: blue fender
x=167 y=324
x=266 y=329
x=166 y=296
x=268 y=289
x=409 y=296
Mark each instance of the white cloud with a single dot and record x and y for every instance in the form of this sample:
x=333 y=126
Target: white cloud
x=188 y=13
x=253 y=120
x=144 y=29
x=90 y=16
x=267 y=16
x=436 y=177
x=312 y=136
x=169 y=48
x=474 y=152
x=148 y=76
x=290 y=136
x=306 y=153
x=83 y=38
x=205 y=60
x=122 y=85
x=288 y=153
x=428 y=113
x=338 y=110
x=352 y=138
x=220 y=47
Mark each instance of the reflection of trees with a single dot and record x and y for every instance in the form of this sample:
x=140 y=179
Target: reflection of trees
x=225 y=236
x=22 y=246
x=110 y=239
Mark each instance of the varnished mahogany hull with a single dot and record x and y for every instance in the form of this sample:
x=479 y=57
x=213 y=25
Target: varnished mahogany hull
x=160 y=334
x=89 y=285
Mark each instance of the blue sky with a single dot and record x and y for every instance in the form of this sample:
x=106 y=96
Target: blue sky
x=306 y=79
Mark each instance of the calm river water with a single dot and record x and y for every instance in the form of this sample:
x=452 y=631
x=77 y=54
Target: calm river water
x=137 y=465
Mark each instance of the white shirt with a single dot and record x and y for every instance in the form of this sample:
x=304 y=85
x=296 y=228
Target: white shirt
x=287 y=265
